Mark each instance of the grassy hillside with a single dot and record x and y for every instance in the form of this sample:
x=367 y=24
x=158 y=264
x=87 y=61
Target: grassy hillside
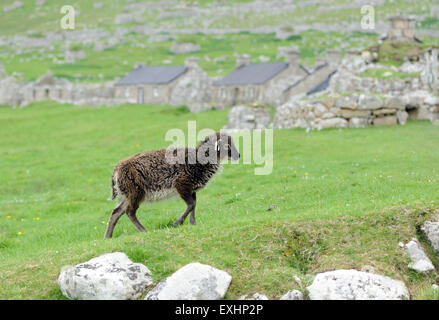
x=344 y=199
x=217 y=55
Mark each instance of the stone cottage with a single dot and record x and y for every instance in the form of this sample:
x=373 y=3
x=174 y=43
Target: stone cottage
x=272 y=83
x=156 y=84
x=262 y=82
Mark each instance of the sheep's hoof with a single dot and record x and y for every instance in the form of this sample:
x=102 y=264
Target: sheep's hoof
x=176 y=224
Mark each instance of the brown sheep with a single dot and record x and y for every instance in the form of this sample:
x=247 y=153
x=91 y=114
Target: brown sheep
x=151 y=176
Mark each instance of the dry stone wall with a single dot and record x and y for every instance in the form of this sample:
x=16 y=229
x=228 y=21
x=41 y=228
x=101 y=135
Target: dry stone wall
x=357 y=110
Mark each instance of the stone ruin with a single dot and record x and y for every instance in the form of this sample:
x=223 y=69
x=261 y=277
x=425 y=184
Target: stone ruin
x=248 y=117
x=401 y=29
x=47 y=87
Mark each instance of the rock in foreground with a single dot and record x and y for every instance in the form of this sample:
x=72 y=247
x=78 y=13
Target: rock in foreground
x=194 y=281
x=419 y=260
x=292 y=295
x=111 y=276
x=431 y=230
x=356 y=285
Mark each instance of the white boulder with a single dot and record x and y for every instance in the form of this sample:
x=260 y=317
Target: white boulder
x=256 y=296
x=419 y=260
x=194 y=281
x=112 y=276
x=292 y=295
x=356 y=285
x=431 y=230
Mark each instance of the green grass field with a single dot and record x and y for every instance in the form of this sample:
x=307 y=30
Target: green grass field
x=344 y=199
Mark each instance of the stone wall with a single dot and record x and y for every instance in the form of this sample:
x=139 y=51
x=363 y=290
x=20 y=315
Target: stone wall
x=357 y=110
x=248 y=117
x=19 y=94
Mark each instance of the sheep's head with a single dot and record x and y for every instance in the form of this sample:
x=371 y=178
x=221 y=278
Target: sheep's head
x=217 y=147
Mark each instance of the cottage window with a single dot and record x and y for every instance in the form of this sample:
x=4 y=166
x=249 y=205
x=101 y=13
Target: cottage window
x=127 y=92
x=155 y=92
x=223 y=93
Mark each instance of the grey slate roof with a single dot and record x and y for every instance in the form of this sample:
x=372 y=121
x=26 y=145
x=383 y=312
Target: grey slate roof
x=322 y=85
x=252 y=74
x=152 y=75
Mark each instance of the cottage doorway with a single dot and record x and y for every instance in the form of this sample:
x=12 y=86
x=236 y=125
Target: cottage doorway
x=140 y=95
x=235 y=96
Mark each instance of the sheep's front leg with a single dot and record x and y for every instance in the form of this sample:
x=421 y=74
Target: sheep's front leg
x=189 y=198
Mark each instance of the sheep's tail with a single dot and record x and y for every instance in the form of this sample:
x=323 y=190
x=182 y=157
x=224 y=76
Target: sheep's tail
x=113 y=187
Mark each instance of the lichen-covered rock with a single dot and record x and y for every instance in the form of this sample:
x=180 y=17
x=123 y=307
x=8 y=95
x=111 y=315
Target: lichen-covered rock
x=419 y=260
x=292 y=295
x=431 y=230
x=111 y=276
x=194 y=281
x=356 y=285
x=184 y=47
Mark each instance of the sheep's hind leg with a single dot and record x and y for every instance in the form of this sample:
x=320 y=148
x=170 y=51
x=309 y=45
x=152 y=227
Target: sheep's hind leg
x=131 y=213
x=190 y=202
x=192 y=218
x=115 y=215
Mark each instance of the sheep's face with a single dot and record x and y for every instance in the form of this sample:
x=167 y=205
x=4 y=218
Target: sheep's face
x=225 y=147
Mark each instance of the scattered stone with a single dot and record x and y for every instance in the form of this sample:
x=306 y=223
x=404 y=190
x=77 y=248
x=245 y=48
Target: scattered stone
x=356 y=285
x=194 y=281
x=104 y=45
x=160 y=38
x=73 y=56
x=184 y=47
x=420 y=261
x=15 y=5
x=434 y=286
x=293 y=295
x=256 y=296
x=431 y=230
x=111 y=276
x=273 y=206
x=263 y=58
x=125 y=18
